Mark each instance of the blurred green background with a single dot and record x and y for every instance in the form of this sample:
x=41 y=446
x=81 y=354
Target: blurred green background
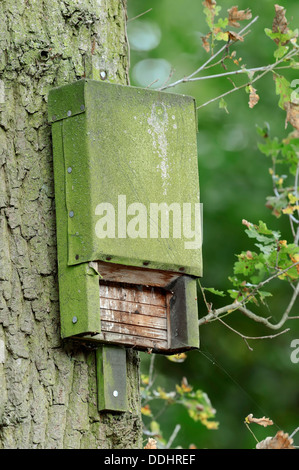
x=234 y=182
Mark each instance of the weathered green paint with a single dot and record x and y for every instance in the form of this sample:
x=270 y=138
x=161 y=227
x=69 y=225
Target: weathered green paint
x=127 y=146
x=78 y=285
x=111 y=378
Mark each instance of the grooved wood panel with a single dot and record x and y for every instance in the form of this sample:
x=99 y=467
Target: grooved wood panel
x=134 y=314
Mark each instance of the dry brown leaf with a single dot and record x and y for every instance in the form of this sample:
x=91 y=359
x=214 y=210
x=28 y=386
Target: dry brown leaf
x=205 y=42
x=210 y=4
x=280 y=24
x=280 y=441
x=235 y=15
x=151 y=444
x=292 y=116
x=234 y=36
x=261 y=421
x=253 y=97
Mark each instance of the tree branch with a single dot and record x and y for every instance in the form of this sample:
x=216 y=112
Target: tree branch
x=202 y=67
x=245 y=337
x=253 y=316
x=268 y=69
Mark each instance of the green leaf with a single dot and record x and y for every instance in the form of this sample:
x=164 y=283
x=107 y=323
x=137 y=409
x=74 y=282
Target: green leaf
x=222 y=23
x=223 y=105
x=283 y=88
x=280 y=52
x=270 y=147
x=263 y=294
x=282 y=37
x=215 y=291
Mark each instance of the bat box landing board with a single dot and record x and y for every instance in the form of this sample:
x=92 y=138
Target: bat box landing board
x=128 y=215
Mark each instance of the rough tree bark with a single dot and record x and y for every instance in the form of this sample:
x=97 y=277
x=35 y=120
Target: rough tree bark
x=48 y=387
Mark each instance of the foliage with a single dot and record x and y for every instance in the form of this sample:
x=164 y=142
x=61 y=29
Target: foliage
x=196 y=402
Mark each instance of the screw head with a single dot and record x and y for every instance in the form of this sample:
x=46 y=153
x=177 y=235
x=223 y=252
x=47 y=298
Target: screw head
x=69 y=113
x=71 y=213
x=103 y=75
x=74 y=319
x=69 y=170
x=115 y=393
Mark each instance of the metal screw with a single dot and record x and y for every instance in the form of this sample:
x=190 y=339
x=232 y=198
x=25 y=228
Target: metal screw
x=69 y=113
x=74 y=319
x=103 y=75
x=115 y=393
x=71 y=213
x=69 y=170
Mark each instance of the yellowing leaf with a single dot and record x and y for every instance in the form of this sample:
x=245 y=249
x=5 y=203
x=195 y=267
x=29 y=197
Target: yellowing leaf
x=177 y=357
x=222 y=35
x=146 y=411
x=184 y=387
x=288 y=210
x=235 y=15
x=144 y=379
x=292 y=198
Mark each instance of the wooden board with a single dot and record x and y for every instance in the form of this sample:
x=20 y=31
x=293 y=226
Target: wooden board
x=134 y=314
x=135 y=275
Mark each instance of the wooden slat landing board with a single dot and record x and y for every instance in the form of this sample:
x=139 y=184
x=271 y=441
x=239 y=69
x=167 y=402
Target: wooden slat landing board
x=141 y=343
x=134 y=314
x=134 y=275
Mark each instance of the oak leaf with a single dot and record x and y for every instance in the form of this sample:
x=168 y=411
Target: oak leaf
x=261 y=421
x=280 y=24
x=151 y=444
x=232 y=36
x=280 y=441
x=235 y=15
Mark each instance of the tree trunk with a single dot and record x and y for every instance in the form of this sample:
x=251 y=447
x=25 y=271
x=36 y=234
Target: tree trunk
x=48 y=396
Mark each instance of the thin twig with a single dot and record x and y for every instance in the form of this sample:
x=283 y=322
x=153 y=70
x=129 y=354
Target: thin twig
x=251 y=432
x=151 y=371
x=240 y=305
x=294 y=432
x=268 y=69
x=202 y=67
x=245 y=337
x=173 y=436
x=232 y=72
x=152 y=83
x=138 y=16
